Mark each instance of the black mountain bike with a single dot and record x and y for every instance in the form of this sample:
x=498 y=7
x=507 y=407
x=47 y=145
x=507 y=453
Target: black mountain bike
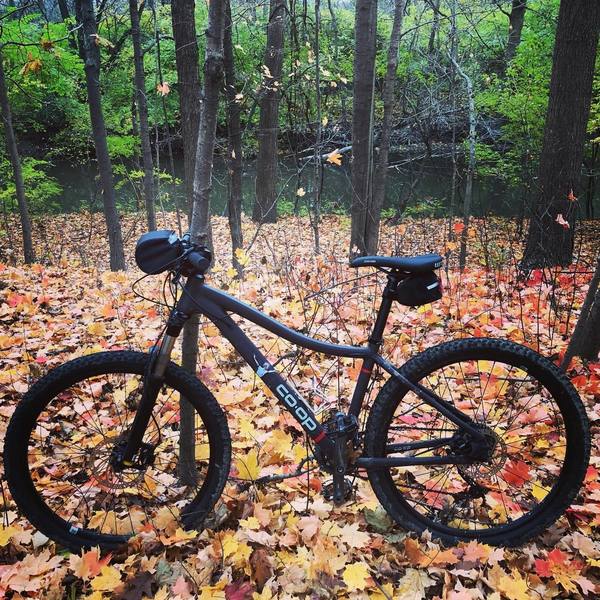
x=471 y=439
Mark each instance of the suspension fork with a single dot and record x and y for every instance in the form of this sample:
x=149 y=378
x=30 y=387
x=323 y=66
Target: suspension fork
x=153 y=381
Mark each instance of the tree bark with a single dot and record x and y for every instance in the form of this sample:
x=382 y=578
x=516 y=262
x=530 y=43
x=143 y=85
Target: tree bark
x=265 y=205
x=374 y=216
x=142 y=109
x=435 y=27
x=200 y=230
x=365 y=29
x=516 y=18
x=188 y=85
x=91 y=52
x=234 y=133
x=585 y=341
x=15 y=161
x=467 y=201
x=559 y=178
x=64 y=9
x=315 y=208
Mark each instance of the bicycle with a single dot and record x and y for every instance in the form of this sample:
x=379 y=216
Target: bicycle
x=476 y=438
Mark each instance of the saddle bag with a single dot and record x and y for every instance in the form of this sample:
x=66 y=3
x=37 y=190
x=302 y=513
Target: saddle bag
x=418 y=289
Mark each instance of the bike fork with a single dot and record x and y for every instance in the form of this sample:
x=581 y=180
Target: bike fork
x=152 y=383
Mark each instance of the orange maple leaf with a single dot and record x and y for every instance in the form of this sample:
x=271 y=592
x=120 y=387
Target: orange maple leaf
x=458 y=227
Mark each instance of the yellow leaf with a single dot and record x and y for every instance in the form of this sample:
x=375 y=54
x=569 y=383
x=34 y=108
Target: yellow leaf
x=247 y=466
x=212 y=592
x=335 y=158
x=202 y=452
x=356 y=575
x=242 y=257
x=178 y=537
x=107 y=581
x=301 y=192
x=6 y=533
x=513 y=586
x=100 y=41
x=97 y=329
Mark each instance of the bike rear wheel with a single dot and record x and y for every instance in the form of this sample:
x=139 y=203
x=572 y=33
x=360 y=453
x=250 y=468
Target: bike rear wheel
x=538 y=432
x=60 y=440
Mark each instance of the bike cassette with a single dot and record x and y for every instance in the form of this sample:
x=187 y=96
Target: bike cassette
x=327 y=489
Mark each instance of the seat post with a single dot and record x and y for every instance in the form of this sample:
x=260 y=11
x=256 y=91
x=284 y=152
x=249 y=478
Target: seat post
x=375 y=341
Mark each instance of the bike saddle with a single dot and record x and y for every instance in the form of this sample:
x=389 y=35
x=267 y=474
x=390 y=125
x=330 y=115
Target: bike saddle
x=408 y=264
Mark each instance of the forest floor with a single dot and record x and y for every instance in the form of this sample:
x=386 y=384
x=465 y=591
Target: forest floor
x=284 y=539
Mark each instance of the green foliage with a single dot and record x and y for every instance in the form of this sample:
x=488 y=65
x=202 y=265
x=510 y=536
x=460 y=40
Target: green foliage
x=429 y=207
x=48 y=93
x=41 y=190
x=519 y=100
x=122 y=146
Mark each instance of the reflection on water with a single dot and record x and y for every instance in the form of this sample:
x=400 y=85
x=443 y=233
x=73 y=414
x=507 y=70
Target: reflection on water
x=425 y=188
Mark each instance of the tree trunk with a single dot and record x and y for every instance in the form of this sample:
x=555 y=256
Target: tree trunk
x=585 y=341
x=435 y=27
x=467 y=201
x=200 y=221
x=365 y=29
x=265 y=207
x=15 y=161
x=315 y=208
x=548 y=242
x=374 y=216
x=516 y=19
x=188 y=86
x=64 y=9
x=91 y=52
x=234 y=133
x=142 y=109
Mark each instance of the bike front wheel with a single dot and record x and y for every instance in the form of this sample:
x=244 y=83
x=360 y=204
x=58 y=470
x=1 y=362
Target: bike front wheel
x=62 y=437
x=538 y=436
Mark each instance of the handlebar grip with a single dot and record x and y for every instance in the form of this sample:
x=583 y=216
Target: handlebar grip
x=199 y=261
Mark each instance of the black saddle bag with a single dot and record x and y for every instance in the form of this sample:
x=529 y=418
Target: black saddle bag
x=418 y=289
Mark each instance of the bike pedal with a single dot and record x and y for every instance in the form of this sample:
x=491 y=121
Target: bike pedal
x=327 y=490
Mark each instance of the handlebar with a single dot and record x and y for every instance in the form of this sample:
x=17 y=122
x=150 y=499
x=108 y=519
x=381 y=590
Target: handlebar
x=158 y=251
x=197 y=262
x=196 y=258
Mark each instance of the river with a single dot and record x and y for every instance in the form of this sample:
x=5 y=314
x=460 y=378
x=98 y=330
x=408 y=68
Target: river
x=426 y=182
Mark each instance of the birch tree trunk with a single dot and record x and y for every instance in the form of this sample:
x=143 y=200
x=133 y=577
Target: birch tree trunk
x=265 y=207
x=470 y=167
x=15 y=161
x=374 y=216
x=142 y=111
x=365 y=29
x=88 y=36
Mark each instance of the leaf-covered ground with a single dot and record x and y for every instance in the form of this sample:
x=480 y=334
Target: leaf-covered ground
x=283 y=539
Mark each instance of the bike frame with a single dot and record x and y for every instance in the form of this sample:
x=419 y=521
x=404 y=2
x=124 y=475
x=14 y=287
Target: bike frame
x=199 y=298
